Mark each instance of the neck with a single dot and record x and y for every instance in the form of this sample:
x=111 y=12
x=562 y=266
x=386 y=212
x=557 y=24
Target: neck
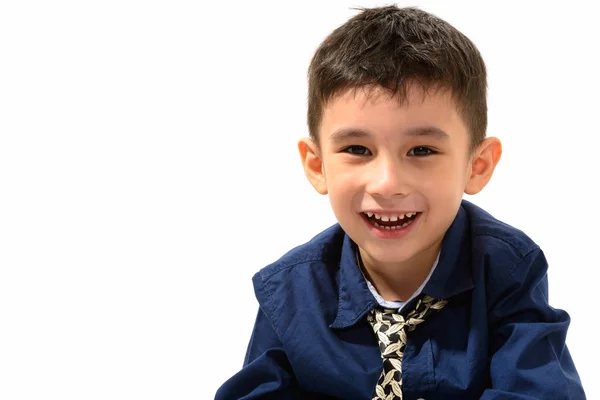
x=398 y=281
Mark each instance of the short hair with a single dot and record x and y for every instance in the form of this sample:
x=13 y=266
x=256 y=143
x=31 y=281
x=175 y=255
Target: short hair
x=394 y=47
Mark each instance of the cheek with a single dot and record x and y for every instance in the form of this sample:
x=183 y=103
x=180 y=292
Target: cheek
x=343 y=188
x=338 y=177
x=445 y=182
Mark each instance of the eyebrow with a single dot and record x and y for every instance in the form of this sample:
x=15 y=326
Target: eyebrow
x=344 y=134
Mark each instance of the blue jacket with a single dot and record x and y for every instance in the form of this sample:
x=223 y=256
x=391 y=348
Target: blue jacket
x=498 y=338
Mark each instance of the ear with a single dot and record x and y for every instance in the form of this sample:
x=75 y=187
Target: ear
x=483 y=162
x=313 y=164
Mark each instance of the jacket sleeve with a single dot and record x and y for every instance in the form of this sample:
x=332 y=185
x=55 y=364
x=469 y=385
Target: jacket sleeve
x=529 y=358
x=266 y=373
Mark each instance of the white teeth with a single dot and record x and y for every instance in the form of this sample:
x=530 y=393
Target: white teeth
x=392 y=227
x=392 y=218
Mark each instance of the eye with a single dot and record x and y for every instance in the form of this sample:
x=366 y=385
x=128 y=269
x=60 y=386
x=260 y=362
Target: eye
x=357 y=150
x=421 y=151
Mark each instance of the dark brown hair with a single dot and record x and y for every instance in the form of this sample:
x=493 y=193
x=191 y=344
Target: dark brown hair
x=393 y=47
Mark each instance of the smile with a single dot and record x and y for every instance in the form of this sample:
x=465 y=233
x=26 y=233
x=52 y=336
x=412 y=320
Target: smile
x=390 y=222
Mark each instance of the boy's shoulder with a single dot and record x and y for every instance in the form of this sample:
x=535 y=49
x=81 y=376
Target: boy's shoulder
x=325 y=247
x=304 y=278
x=502 y=254
x=495 y=237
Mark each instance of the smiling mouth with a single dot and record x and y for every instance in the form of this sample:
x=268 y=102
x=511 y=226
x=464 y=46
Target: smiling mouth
x=388 y=222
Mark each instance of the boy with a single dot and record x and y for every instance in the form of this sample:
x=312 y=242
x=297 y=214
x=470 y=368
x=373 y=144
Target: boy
x=415 y=293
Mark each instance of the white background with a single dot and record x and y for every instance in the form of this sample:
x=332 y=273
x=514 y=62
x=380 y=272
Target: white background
x=148 y=169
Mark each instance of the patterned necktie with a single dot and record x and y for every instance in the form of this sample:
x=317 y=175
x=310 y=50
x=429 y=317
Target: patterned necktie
x=390 y=328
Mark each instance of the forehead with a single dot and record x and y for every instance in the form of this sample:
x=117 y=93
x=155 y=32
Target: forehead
x=376 y=111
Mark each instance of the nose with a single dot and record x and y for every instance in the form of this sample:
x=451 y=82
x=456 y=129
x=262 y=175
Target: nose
x=386 y=179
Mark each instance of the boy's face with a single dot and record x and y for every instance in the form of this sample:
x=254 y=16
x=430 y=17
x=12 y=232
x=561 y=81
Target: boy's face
x=395 y=172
